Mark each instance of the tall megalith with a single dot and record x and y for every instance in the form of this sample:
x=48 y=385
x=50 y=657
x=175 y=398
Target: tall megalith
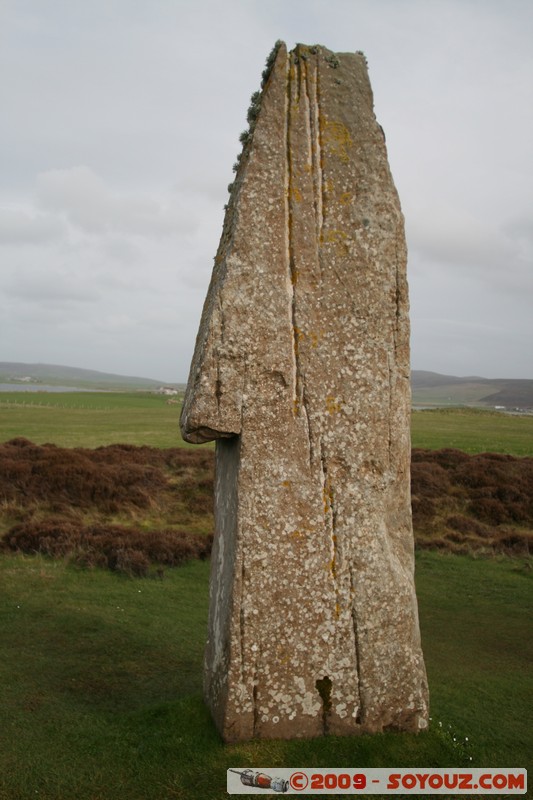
x=301 y=374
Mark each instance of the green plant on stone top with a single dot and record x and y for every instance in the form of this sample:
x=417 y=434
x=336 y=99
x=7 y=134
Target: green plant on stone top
x=270 y=62
x=253 y=110
x=333 y=61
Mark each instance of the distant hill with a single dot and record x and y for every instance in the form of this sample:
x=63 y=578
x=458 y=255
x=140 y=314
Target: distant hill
x=428 y=388
x=433 y=389
x=55 y=375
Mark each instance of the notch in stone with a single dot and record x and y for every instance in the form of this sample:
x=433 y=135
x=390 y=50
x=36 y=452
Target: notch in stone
x=323 y=687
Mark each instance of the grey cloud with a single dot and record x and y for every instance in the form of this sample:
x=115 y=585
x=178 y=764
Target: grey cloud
x=520 y=232
x=88 y=203
x=119 y=248
x=55 y=287
x=500 y=254
x=19 y=225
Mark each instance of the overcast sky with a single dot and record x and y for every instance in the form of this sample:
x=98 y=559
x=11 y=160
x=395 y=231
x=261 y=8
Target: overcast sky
x=120 y=126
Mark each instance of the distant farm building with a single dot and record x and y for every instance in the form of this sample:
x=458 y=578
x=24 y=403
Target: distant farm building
x=167 y=390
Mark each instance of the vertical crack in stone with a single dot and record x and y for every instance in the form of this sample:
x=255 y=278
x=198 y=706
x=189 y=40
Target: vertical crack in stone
x=256 y=706
x=218 y=386
x=395 y=358
x=390 y=364
x=305 y=408
x=243 y=391
x=396 y=334
x=288 y=222
x=361 y=712
x=296 y=74
x=218 y=382
x=329 y=515
x=242 y=621
x=303 y=97
x=292 y=101
x=330 y=521
x=314 y=136
x=335 y=540
x=320 y=153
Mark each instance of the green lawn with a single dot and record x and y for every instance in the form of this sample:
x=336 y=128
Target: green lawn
x=473 y=431
x=101 y=683
x=90 y=419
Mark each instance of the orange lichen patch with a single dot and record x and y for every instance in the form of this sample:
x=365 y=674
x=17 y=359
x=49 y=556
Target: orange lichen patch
x=334 y=235
x=314 y=338
x=345 y=198
x=328 y=499
x=298 y=336
x=336 y=138
x=333 y=406
x=287 y=484
x=292 y=71
x=295 y=194
x=338 y=238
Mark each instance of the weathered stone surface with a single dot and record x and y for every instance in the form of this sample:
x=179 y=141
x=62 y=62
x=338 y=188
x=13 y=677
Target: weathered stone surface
x=301 y=373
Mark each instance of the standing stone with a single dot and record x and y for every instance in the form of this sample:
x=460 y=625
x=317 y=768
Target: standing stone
x=301 y=374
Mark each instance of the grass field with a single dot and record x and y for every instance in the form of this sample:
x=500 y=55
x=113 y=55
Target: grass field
x=101 y=683
x=100 y=674
x=92 y=419
x=473 y=431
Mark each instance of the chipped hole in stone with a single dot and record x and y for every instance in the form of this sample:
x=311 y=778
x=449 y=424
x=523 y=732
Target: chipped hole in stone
x=323 y=687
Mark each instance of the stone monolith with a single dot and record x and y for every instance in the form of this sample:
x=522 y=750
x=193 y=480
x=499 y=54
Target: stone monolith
x=301 y=374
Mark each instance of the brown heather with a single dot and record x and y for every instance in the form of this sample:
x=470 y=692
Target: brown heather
x=479 y=504
x=121 y=507
x=129 y=508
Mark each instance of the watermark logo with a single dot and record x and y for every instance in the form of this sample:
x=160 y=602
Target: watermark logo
x=447 y=781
